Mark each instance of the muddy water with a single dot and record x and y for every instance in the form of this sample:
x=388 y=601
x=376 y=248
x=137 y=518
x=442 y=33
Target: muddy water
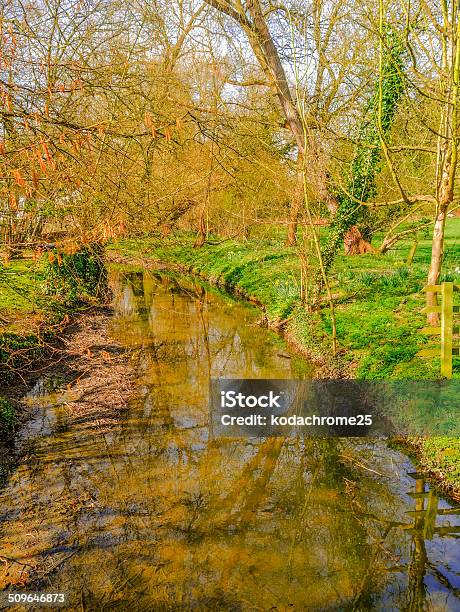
x=155 y=514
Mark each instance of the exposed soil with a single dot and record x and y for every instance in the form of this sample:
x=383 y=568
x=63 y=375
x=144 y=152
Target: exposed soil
x=97 y=369
x=84 y=360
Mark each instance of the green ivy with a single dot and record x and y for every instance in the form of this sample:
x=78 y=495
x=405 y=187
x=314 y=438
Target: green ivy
x=361 y=182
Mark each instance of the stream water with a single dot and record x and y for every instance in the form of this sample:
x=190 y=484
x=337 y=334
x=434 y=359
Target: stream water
x=155 y=514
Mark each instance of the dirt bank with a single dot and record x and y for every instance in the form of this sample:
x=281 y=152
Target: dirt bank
x=94 y=370
x=98 y=371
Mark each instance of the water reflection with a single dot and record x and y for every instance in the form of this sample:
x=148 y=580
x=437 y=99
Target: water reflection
x=156 y=514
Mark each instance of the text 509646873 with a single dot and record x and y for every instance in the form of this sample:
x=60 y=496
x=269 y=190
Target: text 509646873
x=33 y=598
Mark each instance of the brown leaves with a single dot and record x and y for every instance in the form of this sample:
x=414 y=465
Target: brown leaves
x=6 y=99
x=35 y=180
x=71 y=248
x=148 y=119
x=13 y=202
x=46 y=150
x=18 y=178
x=47 y=154
x=54 y=257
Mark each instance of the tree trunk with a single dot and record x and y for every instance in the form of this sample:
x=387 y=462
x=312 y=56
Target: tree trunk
x=437 y=247
x=296 y=206
x=449 y=155
x=250 y=16
x=261 y=41
x=201 y=236
x=267 y=53
x=291 y=239
x=437 y=251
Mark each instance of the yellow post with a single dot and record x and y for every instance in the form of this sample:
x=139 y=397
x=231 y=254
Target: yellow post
x=447 y=322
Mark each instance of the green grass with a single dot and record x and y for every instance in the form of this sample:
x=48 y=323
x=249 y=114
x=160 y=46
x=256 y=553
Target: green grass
x=28 y=314
x=20 y=282
x=442 y=454
x=22 y=310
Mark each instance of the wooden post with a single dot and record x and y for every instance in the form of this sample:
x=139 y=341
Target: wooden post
x=429 y=522
x=410 y=257
x=446 y=330
x=447 y=309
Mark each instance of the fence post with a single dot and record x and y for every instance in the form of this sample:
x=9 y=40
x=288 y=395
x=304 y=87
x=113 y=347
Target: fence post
x=446 y=330
x=447 y=309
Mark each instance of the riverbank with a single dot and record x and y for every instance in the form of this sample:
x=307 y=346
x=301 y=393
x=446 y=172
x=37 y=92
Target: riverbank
x=29 y=329
x=27 y=319
x=90 y=385
x=93 y=370
x=48 y=323
x=378 y=300
x=377 y=324
x=159 y=500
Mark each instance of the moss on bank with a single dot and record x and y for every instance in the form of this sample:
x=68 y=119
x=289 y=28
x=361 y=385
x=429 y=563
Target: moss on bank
x=8 y=419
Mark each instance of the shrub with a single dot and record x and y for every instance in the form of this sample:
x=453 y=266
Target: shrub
x=76 y=276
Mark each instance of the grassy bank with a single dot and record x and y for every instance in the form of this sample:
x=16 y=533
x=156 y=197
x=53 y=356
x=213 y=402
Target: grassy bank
x=378 y=297
x=37 y=297
x=37 y=294
x=27 y=323
x=27 y=317
x=378 y=309
x=8 y=418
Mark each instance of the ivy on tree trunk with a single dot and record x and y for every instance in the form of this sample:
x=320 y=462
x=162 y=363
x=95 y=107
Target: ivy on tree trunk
x=351 y=216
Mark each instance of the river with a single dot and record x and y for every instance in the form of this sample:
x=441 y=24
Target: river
x=156 y=514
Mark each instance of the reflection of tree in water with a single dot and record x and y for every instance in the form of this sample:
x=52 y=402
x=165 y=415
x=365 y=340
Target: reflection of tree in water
x=157 y=515
x=128 y=289
x=416 y=597
x=416 y=592
x=424 y=528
